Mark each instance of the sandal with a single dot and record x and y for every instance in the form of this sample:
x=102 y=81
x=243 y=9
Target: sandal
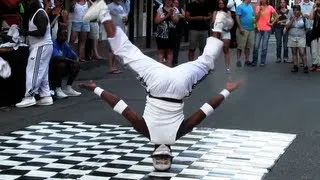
x=116 y=71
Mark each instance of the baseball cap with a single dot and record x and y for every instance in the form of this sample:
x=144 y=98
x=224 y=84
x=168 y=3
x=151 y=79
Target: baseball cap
x=162 y=158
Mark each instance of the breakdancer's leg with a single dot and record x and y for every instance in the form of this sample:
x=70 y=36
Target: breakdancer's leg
x=195 y=71
x=148 y=69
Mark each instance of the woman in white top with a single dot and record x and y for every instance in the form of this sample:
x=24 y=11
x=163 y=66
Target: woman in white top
x=296 y=28
x=80 y=29
x=225 y=35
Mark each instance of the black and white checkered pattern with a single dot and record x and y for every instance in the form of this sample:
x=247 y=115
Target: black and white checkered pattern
x=76 y=150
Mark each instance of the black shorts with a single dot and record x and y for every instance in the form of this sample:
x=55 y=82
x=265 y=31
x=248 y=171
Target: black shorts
x=165 y=43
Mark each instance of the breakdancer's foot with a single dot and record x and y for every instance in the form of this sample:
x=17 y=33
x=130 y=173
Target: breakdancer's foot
x=223 y=22
x=98 y=10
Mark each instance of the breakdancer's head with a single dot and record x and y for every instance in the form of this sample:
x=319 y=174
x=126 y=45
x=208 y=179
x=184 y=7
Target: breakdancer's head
x=162 y=157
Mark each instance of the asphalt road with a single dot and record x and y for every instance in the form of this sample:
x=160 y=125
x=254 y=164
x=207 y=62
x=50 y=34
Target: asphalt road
x=272 y=99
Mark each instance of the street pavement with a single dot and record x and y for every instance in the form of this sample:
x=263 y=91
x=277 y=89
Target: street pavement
x=272 y=99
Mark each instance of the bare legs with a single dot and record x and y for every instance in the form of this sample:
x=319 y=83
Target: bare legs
x=226 y=46
x=301 y=52
x=165 y=56
x=81 y=43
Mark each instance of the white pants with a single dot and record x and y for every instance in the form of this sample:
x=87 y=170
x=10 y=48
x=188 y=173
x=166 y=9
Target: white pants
x=315 y=51
x=161 y=80
x=37 y=71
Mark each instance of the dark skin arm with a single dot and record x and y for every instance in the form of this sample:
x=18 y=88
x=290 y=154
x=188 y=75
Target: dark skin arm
x=137 y=122
x=41 y=21
x=197 y=117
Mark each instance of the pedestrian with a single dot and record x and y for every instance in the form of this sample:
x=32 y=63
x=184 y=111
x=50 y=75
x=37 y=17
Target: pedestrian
x=245 y=31
x=281 y=37
x=40 y=45
x=225 y=35
x=263 y=13
x=166 y=20
x=296 y=28
x=315 y=43
x=198 y=15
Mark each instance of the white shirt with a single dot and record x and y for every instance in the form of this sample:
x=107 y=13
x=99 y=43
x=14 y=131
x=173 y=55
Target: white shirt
x=163 y=119
x=117 y=12
x=306 y=9
x=79 y=12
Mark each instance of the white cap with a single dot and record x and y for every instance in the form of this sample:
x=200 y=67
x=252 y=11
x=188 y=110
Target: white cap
x=162 y=158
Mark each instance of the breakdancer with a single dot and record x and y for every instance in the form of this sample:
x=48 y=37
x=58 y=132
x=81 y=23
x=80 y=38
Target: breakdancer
x=163 y=120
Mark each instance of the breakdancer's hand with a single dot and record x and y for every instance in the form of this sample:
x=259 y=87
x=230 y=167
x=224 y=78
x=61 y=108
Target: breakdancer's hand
x=90 y=86
x=233 y=85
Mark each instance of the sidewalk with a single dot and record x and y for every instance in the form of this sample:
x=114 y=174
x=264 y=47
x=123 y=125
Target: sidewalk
x=139 y=42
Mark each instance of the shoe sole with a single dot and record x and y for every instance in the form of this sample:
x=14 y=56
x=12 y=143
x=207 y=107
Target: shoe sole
x=93 y=8
x=45 y=104
x=73 y=95
x=59 y=97
x=26 y=105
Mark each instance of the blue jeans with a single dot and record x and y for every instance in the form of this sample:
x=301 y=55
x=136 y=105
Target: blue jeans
x=264 y=36
x=282 y=41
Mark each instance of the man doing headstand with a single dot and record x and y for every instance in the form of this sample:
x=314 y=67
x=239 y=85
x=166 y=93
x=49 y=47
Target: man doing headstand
x=163 y=119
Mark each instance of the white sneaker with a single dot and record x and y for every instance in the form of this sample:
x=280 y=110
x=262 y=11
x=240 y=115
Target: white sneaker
x=98 y=10
x=60 y=94
x=71 y=92
x=223 y=22
x=26 y=102
x=45 y=101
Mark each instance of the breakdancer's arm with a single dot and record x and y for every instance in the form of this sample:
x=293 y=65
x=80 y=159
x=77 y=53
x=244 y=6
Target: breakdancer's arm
x=119 y=106
x=208 y=108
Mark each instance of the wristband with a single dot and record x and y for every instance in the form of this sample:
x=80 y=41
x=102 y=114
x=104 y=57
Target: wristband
x=207 y=109
x=225 y=93
x=120 y=107
x=98 y=91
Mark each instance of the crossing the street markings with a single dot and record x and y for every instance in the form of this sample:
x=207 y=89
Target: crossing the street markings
x=76 y=150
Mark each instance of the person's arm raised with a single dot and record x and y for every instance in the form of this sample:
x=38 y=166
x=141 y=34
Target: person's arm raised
x=119 y=106
x=207 y=109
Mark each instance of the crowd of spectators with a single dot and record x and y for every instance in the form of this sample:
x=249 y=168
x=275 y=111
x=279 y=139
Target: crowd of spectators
x=54 y=53
x=46 y=24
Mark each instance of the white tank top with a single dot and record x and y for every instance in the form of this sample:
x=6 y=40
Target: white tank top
x=163 y=120
x=79 y=11
x=39 y=41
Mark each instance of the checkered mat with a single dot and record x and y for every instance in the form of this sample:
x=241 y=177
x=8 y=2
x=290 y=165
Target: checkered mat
x=76 y=150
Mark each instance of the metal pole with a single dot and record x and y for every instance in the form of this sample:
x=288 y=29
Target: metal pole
x=149 y=23
x=131 y=21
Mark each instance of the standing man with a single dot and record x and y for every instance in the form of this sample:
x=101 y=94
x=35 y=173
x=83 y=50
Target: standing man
x=198 y=15
x=245 y=31
x=40 y=45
